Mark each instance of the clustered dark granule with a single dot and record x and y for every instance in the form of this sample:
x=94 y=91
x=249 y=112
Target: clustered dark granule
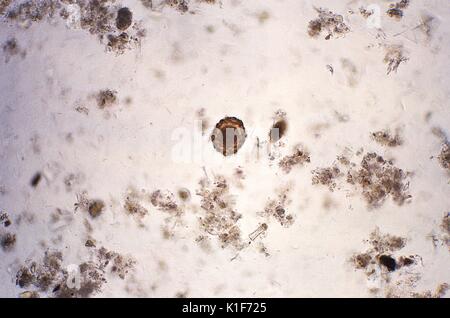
x=41 y=275
x=385 y=138
x=378 y=179
x=106 y=98
x=50 y=277
x=133 y=207
x=113 y=25
x=117 y=263
x=444 y=156
x=4 y=219
x=326 y=176
x=396 y=10
x=299 y=157
x=164 y=200
x=365 y=13
x=219 y=217
x=329 y=23
x=32 y=11
x=180 y=5
x=378 y=262
x=277 y=208
x=380 y=253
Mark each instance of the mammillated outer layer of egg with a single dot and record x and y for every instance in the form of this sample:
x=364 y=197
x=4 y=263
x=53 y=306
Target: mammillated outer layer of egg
x=227 y=128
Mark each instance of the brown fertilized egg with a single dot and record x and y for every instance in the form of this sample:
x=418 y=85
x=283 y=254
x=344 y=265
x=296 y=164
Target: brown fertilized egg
x=228 y=136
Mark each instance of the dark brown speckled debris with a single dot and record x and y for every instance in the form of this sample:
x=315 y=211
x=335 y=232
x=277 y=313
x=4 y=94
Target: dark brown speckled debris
x=446 y=223
x=228 y=136
x=385 y=138
x=445 y=227
x=396 y=10
x=4 y=219
x=382 y=245
x=164 y=200
x=378 y=179
x=106 y=98
x=7 y=241
x=332 y=24
x=93 y=274
x=219 y=217
x=444 y=156
x=98 y=17
x=365 y=13
x=89 y=243
x=299 y=157
x=31 y=11
x=362 y=260
x=42 y=275
x=133 y=207
x=180 y=5
x=96 y=208
x=24 y=277
x=395 y=13
x=277 y=208
x=92 y=279
x=378 y=263
x=326 y=176
x=406 y=261
x=122 y=265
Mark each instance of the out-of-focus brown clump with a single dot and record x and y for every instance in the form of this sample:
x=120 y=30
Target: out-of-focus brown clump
x=394 y=57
